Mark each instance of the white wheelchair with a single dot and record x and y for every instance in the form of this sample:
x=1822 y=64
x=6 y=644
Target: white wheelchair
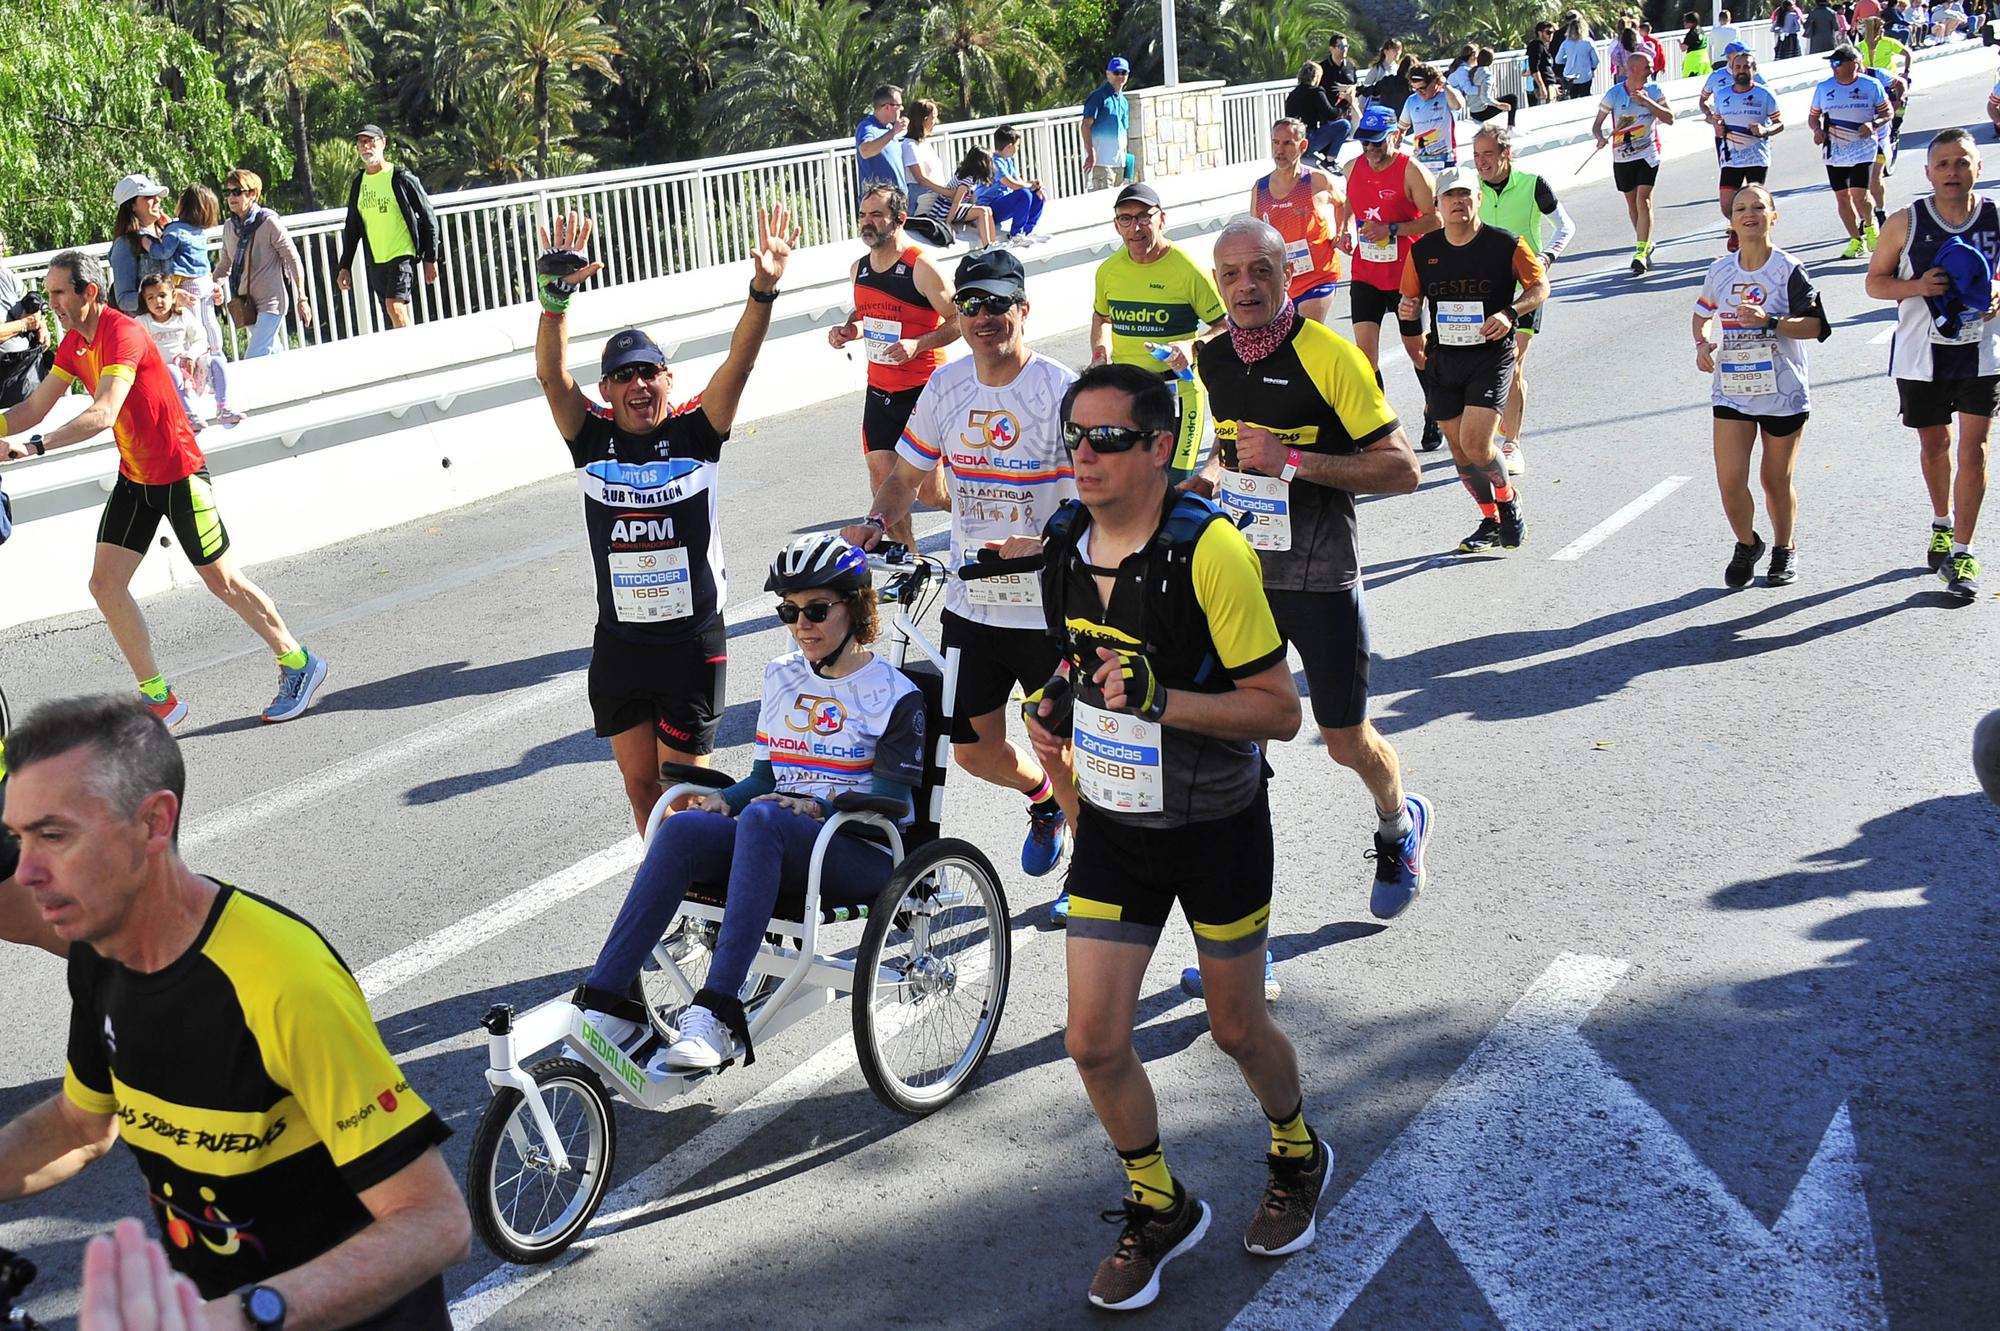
x=929 y=981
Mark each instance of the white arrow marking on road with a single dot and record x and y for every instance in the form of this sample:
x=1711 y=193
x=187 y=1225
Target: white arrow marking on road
x=1572 y=1203
x=1597 y=535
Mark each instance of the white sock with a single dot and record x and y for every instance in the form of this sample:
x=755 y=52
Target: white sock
x=1941 y=524
x=1960 y=548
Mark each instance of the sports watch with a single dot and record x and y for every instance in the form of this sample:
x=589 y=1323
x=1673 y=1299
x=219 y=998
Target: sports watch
x=264 y=1307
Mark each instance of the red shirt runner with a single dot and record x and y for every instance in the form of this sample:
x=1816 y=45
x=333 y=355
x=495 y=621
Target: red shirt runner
x=1380 y=196
x=155 y=441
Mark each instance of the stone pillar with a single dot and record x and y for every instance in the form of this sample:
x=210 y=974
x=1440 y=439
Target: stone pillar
x=1176 y=130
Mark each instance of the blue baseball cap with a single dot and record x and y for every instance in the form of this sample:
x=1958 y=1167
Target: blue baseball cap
x=1736 y=48
x=1375 y=125
x=631 y=347
x=1119 y=65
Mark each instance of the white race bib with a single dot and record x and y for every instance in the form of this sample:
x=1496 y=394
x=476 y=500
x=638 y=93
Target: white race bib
x=648 y=586
x=1971 y=329
x=1382 y=253
x=877 y=336
x=1298 y=257
x=1267 y=499
x=1749 y=368
x=1459 y=322
x=1117 y=760
x=1010 y=589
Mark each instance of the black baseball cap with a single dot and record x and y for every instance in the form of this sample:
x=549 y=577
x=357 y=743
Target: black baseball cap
x=371 y=131
x=631 y=347
x=996 y=272
x=1139 y=192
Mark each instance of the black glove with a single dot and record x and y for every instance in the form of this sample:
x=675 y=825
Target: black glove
x=1144 y=694
x=552 y=272
x=1057 y=694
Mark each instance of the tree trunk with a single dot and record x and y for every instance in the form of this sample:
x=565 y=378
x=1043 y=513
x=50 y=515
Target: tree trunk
x=295 y=101
x=542 y=119
x=964 y=86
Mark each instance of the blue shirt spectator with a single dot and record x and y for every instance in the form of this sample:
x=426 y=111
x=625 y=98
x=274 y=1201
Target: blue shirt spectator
x=1107 y=119
x=878 y=156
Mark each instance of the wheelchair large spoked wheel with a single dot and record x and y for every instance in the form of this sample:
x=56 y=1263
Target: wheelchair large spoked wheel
x=524 y=1209
x=931 y=977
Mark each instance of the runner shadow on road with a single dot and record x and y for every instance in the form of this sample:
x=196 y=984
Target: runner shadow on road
x=444 y=680
x=1441 y=686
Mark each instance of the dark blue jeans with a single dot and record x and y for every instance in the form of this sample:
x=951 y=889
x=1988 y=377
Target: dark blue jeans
x=1326 y=140
x=760 y=853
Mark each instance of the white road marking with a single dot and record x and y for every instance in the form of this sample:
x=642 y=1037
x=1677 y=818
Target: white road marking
x=654 y=1188
x=1571 y=1202
x=1887 y=332
x=1597 y=535
x=516 y=908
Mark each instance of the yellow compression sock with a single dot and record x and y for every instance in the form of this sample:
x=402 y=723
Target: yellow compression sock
x=1146 y=1167
x=1291 y=1139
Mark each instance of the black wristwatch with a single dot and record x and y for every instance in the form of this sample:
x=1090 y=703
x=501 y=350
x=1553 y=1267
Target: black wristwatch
x=35 y=442
x=763 y=297
x=264 y=1307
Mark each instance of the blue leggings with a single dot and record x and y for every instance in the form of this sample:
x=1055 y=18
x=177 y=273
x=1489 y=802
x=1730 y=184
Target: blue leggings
x=1019 y=210
x=761 y=852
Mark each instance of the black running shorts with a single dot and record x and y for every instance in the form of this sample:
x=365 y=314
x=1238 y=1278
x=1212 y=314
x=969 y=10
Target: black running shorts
x=1777 y=427
x=1628 y=176
x=1849 y=177
x=1931 y=402
x=675 y=687
x=1736 y=177
x=991 y=661
x=1330 y=629
x=884 y=414
x=394 y=280
x=1124 y=880
x=1371 y=305
x=133 y=514
x=1459 y=377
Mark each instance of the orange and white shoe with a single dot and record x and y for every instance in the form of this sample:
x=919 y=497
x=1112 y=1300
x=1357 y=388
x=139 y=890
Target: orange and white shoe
x=171 y=710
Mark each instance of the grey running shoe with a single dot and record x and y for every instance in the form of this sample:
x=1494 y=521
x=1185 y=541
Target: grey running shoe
x=1130 y=1277
x=1284 y=1222
x=1784 y=567
x=297 y=689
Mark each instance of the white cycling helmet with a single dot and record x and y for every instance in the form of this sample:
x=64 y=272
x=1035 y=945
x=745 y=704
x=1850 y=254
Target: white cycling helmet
x=822 y=559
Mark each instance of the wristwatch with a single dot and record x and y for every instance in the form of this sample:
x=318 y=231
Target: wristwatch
x=1291 y=467
x=35 y=442
x=877 y=521
x=264 y=1307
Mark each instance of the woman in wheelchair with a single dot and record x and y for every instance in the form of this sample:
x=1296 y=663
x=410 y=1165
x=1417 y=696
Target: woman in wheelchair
x=835 y=718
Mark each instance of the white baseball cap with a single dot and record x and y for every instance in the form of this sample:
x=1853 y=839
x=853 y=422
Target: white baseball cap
x=139 y=186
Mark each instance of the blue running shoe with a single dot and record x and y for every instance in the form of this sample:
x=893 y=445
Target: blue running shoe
x=297 y=689
x=1399 y=869
x=1191 y=981
x=1048 y=837
x=1059 y=912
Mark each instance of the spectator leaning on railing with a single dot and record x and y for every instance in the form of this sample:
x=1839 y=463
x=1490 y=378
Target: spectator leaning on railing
x=261 y=266
x=388 y=203
x=24 y=338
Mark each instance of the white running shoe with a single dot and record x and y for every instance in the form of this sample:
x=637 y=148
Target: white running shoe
x=704 y=1043
x=1516 y=460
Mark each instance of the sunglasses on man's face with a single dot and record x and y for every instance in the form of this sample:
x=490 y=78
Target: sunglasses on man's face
x=1104 y=438
x=815 y=612
x=974 y=306
x=625 y=374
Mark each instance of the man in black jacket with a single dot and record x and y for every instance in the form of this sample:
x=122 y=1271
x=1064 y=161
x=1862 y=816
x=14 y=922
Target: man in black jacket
x=389 y=204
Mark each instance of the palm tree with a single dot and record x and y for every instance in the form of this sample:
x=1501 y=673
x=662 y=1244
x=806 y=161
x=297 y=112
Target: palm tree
x=969 y=42
x=539 y=46
x=494 y=141
x=1270 y=39
x=808 y=70
x=437 y=49
x=1203 y=45
x=289 y=46
x=676 y=53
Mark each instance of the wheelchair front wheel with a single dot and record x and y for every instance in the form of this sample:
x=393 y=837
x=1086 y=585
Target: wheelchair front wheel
x=931 y=977
x=524 y=1209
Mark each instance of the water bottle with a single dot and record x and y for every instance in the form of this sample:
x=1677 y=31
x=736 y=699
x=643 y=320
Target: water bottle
x=1161 y=353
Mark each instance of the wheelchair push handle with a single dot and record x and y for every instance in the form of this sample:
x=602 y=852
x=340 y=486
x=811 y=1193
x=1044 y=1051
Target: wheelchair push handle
x=989 y=564
x=855 y=801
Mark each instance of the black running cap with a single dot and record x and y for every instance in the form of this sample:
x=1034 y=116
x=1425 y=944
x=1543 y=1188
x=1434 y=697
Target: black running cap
x=631 y=347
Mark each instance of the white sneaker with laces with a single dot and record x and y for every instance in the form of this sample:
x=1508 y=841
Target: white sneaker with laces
x=704 y=1043
x=1515 y=459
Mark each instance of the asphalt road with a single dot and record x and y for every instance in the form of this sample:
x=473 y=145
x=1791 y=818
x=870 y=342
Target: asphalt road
x=1754 y=809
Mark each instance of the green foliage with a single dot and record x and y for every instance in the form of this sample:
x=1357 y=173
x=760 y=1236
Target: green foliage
x=1270 y=39
x=958 y=49
x=540 y=49
x=90 y=92
x=1506 y=24
x=816 y=64
x=289 y=47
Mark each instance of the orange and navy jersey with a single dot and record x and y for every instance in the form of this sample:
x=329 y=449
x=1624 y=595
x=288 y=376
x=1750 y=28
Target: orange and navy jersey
x=155 y=439
x=824 y=736
x=1310 y=258
x=890 y=308
x=251 y=1085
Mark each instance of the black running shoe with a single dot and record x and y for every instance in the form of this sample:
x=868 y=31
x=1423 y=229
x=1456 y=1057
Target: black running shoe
x=1484 y=537
x=1743 y=564
x=1433 y=437
x=1784 y=567
x=1961 y=577
x=1513 y=527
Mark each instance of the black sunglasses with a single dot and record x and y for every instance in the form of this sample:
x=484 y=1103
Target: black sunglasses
x=625 y=374
x=232 y=193
x=1104 y=438
x=815 y=612
x=972 y=306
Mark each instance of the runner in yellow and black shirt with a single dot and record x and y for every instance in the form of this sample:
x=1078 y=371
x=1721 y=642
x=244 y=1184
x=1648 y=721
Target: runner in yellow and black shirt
x=1301 y=427
x=226 y=1043
x=1152 y=302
